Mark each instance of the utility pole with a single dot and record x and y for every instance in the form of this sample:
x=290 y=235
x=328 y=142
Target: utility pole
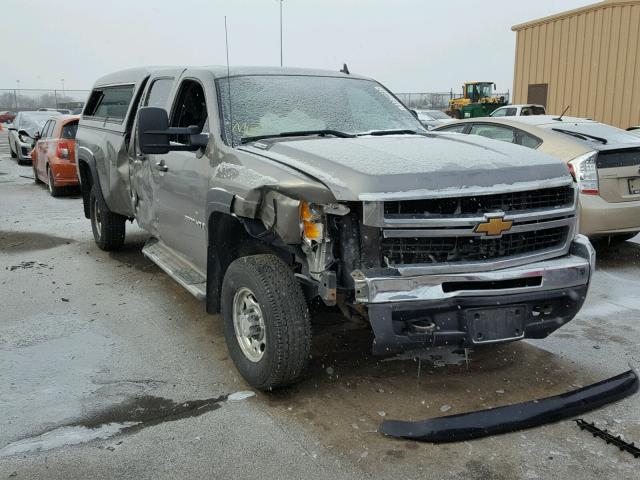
x=18 y=95
x=62 y=80
x=281 y=32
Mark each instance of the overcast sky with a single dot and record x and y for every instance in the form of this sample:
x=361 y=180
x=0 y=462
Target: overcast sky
x=409 y=45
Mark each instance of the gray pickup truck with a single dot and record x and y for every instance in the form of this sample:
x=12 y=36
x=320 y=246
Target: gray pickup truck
x=264 y=190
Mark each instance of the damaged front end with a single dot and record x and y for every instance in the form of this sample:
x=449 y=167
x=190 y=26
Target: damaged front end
x=482 y=423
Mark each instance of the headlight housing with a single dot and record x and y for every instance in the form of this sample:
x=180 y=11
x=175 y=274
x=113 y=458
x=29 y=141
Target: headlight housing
x=312 y=221
x=25 y=138
x=585 y=173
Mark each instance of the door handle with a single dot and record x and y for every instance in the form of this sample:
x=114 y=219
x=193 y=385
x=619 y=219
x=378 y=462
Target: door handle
x=161 y=166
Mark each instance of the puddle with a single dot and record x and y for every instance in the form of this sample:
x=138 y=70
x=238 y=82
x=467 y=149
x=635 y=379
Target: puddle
x=29 y=241
x=63 y=436
x=133 y=415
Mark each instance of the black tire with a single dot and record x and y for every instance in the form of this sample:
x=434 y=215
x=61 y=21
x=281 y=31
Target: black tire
x=13 y=154
x=53 y=190
x=35 y=175
x=108 y=227
x=287 y=324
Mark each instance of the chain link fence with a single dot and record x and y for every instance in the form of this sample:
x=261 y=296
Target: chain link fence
x=435 y=100
x=31 y=99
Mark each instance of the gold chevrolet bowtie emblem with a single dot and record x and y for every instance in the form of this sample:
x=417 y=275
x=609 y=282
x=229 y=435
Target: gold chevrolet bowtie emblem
x=494 y=227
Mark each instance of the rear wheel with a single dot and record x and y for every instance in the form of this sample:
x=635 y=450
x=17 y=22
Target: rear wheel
x=53 y=190
x=108 y=227
x=266 y=321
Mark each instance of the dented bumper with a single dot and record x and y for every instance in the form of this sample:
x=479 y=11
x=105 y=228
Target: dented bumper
x=465 y=309
x=482 y=423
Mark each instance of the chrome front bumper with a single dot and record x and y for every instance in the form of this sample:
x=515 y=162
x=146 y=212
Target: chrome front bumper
x=385 y=286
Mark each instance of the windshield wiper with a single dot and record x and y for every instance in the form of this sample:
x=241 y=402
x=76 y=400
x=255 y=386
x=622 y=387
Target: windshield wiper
x=300 y=133
x=583 y=136
x=379 y=133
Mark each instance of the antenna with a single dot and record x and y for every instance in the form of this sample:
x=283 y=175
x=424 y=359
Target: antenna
x=562 y=114
x=226 y=42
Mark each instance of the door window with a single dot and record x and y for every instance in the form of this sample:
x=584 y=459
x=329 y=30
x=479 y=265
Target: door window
x=69 y=130
x=49 y=128
x=495 y=132
x=501 y=112
x=529 y=141
x=109 y=103
x=454 y=128
x=159 y=93
x=45 y=129
x=189 y=109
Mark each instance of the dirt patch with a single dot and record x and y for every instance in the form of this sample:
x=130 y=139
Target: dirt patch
x=29 y=241
x=349 y=392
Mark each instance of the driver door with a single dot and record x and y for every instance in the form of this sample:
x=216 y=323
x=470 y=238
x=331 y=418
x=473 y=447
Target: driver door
x=185 y=178
x=144 y=177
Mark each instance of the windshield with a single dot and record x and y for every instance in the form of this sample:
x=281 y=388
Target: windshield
x=476 y=91
x=438 y=115
x=612 y=134
x=32 y=123
x=272 y=104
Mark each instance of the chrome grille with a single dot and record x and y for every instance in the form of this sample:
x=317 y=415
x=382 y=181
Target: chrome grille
x=546 y=198
x=430 y=250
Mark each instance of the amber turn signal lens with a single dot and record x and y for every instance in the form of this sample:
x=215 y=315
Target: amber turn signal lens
x=311 y=222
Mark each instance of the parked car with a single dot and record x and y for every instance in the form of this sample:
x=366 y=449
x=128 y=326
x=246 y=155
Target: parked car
x=518 y=110
x=263 y=189
x=7 y=117
x=22 y=133
x=604 y=160
x=54 y=157
x=432 y=118
x=64 y=111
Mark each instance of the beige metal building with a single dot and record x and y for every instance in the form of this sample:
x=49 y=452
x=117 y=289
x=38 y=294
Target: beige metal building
x=587 y=59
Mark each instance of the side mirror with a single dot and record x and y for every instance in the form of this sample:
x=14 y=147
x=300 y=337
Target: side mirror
x=37 y=136
x=154 y=133
x=11 y=127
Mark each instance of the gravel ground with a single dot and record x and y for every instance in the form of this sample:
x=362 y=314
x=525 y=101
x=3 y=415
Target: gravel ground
x=109 y=369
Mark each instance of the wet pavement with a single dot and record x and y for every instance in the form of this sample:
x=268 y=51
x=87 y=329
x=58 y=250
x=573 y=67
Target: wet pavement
x=109 y=369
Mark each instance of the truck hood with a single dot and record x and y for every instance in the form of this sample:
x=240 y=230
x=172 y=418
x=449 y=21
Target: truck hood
x=371 y=168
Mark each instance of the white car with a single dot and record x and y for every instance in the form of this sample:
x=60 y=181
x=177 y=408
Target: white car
x=432 y=118
x=22 y=133
x=518 y=110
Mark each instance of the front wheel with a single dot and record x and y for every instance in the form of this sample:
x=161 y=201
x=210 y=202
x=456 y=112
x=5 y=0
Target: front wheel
x=35 y=175
x=13 y=154
x=108 y=227
x=267 y=325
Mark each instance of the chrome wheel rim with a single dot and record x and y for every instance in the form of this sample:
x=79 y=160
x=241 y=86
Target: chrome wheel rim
x=248 y=323
x=97 y=217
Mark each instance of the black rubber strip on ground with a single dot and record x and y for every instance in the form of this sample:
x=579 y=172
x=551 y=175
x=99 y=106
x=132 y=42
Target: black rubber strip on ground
x=493 y=421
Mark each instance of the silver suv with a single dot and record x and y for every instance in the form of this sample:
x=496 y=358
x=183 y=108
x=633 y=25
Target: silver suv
x=266 y=189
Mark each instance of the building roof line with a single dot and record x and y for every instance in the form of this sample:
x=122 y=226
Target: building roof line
x=575 y=11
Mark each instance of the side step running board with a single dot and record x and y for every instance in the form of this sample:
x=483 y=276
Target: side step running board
x=176 y=268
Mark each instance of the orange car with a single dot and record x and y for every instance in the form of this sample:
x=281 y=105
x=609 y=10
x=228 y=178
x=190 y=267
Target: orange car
x=54 y=156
